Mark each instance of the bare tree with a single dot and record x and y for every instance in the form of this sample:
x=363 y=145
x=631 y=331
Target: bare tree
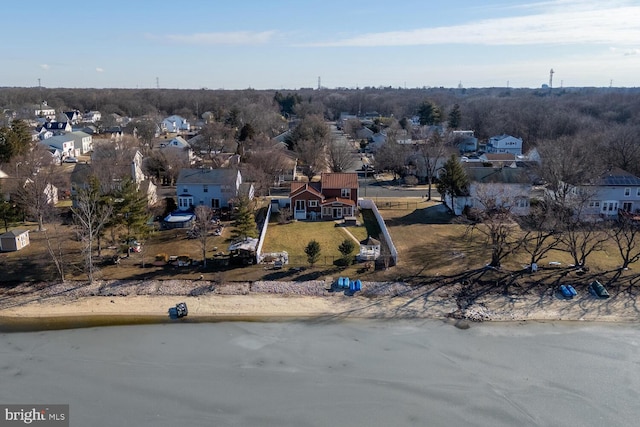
x=90 y=213
x=432 y=153
x=392 y=157
x=204 y=226
x=54 y=247
x=494 y=219
x=581 y=238
x=313 y=157
x=626 y=235
x=36 y=193
x=540 y=232
x=340 y=156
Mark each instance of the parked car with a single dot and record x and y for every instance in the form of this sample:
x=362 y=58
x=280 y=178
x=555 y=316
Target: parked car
x=71 y=160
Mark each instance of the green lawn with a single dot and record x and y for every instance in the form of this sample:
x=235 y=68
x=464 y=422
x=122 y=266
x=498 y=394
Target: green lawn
x=294 y=237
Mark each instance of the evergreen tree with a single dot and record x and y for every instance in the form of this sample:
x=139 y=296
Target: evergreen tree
x=346 y=248
x=14 y=140
x=245 y=222
x=130 y=209
x=313 y=252
x=429 y=114
x=454 y=181
x=454 y=117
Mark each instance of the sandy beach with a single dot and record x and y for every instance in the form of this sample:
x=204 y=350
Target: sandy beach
x=140 y=301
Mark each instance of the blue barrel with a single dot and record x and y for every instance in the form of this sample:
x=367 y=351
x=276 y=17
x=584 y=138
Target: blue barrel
x=346 y=283
x=358 y=285
x=352 y=285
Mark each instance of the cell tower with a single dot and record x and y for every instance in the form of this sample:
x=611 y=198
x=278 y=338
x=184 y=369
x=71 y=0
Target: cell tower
x=551 y=79
x=319 y=86
x=157 y=83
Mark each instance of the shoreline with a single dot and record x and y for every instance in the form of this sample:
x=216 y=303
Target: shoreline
x=40 y=306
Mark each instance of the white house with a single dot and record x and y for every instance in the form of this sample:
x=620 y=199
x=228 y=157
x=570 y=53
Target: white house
x=505 y=144
x=179 y=143
x=616 y=191
x=63 y=143
x=92 y=117
x=43 y=110
x=175 y=124
x=83 y=141
x=208 y=187
x=508 y=187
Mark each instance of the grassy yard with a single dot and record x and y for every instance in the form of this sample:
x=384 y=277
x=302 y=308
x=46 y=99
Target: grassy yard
x=430 y=248
x=294 y=237
x=429 y=244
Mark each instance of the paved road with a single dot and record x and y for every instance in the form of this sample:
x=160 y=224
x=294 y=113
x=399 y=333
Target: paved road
x=371 y=187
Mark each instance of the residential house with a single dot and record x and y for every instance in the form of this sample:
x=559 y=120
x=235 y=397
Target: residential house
x=179 y=143
x=215 y=188
x=113 y=163
x=504 y=144
x=364 y=133
x=507 y=187
x=115 y=133
x=175 y=124
x=43 y=110
x=499 y=159
x=92 y=117
x=58 y=127
x=614 y=192
x=465 y=140
x=73 y=117
x=14 y=240
x=335 y=196
x=82 y=140
x=63 y=143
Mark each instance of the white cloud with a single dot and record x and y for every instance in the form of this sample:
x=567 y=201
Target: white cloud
x=44 y=66
x=221 y=38
x=99 y=69
x=563 y=22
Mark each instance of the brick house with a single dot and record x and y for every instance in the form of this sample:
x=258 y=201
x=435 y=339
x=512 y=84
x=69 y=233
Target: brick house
x=335 y=196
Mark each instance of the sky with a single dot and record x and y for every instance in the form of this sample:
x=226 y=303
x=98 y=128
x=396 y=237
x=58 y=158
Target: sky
x=291 y=44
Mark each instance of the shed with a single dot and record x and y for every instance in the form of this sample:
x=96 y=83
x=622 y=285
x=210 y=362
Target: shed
x=369 y=249
x=14 y=240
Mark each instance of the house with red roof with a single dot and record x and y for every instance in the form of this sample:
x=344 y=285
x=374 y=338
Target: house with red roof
x=335 y=196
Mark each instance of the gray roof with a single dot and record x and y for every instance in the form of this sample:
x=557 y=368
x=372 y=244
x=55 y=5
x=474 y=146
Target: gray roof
x=619 y=177
x=498 y=175
x=13 y=233
x=207 y=176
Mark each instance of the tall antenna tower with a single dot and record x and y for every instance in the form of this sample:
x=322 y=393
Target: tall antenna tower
x=551 y=79
x=319 y=83
x=157 y=83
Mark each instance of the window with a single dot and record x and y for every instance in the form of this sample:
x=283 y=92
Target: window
x=346 y=193
x=627 y=192
x=185 y=190
x=638 y=192
x=205 y=188
x=185 y=202
x=215 y=203
x=594 y=204
x=313 y=203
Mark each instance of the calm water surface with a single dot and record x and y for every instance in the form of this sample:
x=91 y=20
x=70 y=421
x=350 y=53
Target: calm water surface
x=354 y=373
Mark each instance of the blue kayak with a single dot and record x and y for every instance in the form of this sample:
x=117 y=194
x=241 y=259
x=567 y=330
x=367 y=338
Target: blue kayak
x=565 y=291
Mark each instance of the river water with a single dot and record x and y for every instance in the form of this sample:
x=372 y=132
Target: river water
x=315 y=373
